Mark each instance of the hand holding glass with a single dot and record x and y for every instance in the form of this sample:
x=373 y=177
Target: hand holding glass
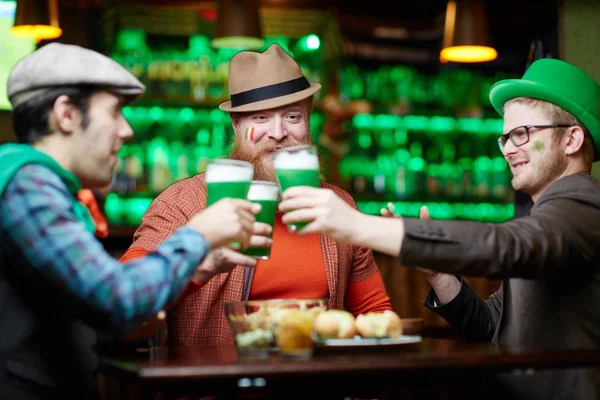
x=297 y=166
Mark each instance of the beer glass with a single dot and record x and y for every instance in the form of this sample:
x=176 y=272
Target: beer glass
x=228 y=178
x=297 y=166
x=266 y=194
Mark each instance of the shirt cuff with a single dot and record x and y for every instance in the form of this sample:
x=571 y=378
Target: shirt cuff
x=432 y=301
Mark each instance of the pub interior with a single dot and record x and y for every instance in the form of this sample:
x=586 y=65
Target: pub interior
x=395 y=122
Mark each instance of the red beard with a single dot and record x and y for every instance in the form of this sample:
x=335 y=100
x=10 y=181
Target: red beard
x=260 y=155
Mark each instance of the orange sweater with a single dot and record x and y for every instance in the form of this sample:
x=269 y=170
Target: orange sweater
x=296 y=270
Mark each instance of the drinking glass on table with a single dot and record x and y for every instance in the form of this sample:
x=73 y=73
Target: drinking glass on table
x=228 y=178
x=266 y=194
x=297 y=166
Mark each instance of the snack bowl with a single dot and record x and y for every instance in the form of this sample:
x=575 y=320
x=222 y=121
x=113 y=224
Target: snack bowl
x=263 y=326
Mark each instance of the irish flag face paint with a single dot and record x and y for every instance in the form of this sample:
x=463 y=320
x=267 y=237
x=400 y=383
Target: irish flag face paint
x=250 y=133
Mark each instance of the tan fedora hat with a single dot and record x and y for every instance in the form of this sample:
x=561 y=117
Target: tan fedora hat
x=260 y=81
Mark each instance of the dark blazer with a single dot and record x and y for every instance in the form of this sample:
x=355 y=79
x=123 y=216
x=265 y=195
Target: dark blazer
x=549 y=261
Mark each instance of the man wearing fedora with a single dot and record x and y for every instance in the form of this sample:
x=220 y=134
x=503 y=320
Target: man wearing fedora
x=58 y=286
x=549 y=260
x=270 y=107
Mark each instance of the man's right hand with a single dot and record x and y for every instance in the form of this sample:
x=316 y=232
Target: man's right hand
x=445 y=286
x=229 y=220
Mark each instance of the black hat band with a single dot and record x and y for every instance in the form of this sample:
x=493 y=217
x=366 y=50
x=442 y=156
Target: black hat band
x=269 y=92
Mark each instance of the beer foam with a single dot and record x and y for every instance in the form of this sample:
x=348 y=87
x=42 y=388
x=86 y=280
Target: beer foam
x=302 y=159
x=263 y=192
x=228 y=173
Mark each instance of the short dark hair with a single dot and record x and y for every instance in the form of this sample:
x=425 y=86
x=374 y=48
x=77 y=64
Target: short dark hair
x=30 y=119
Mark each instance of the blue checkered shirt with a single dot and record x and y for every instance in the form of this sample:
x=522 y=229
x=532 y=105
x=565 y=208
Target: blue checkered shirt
x=41 y=230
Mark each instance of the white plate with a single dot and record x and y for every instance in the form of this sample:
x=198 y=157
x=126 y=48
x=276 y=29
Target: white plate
x=359 y=343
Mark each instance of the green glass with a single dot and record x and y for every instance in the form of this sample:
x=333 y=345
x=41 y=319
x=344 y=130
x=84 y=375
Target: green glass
x=221 y=190
x=288 y=178
x=267 y=216
x=228 y=178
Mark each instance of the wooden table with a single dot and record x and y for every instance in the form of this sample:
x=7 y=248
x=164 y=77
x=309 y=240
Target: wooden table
x=431 y=364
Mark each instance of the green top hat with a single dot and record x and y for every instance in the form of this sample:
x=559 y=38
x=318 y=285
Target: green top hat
x=560 y=83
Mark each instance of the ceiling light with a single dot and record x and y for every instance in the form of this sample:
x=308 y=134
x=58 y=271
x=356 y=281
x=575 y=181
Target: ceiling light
x=465 y=33
x=37 y=20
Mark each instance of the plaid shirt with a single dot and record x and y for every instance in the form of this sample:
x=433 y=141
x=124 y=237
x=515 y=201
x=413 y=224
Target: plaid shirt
x=40 y=229
x=200 y=317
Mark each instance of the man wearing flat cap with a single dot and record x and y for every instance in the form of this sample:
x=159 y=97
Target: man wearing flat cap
x=549 y=260
x=270 y=106
x=58 y=286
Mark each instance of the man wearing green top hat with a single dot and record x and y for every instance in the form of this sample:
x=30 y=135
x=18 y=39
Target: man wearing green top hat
x=549 y=260
x=58 y=286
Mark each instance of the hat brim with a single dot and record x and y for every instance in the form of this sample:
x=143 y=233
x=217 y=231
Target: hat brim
x=274 y=102
x=507 y=89
x=129 y=94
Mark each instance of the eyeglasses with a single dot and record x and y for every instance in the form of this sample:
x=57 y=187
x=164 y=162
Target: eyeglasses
x=520 y=135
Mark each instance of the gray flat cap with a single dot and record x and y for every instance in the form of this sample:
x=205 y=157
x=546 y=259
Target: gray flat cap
x=56 y=65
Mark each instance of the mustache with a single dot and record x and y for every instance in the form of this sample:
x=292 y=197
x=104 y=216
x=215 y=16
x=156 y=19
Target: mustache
x=271 y=145
x=253 y=154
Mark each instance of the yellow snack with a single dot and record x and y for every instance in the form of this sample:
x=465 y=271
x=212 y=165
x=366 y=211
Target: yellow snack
x=379 y=325
x=335 y=324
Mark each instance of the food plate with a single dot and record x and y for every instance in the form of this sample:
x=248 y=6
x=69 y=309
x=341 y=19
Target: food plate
x=364 y=344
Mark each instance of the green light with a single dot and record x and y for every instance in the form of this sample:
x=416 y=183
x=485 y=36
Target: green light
x=483 y=163
x=385 y=121
x=186 y=114
x=400 y=136
x=416 y=164
x=485 y=212
x=136 y=208
x=203 y=137
x=494 y=126
x=416 y=122
x=217 y=115
x=442 y=124
x=112 y=207
x=436 y=124
x=131 y=39
x=402 y=156
x=364 y=140
x=500 y=164
x=313 y=42
x=470 y=125
x=238 y=43
x=199 y=45
x=362 y=121
x=127 y=113
x=156 y=114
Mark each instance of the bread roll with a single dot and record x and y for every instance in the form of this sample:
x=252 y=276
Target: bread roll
x=379 y=325
x=335 y=324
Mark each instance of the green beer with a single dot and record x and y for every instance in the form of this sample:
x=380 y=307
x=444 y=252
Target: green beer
x=228 y=178
x=297 y=166
x=220 y=190
x=266 y=194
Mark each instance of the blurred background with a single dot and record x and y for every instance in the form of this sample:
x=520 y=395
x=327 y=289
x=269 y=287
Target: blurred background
x=403 y=116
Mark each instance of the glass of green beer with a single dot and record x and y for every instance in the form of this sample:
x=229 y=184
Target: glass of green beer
x=297 y=166
x=266 y=194
x=228 y=178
